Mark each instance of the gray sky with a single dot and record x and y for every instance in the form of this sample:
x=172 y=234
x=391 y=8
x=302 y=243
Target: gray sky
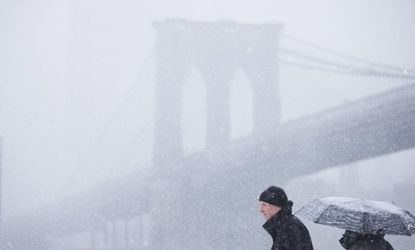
x=73 y=87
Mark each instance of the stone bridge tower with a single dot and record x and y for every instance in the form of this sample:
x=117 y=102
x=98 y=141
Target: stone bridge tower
x=216 y=49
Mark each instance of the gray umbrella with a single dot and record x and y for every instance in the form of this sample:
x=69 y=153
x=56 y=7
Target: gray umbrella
x=358 y=215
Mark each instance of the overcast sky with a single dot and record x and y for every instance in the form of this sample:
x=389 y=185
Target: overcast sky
x=73 y=74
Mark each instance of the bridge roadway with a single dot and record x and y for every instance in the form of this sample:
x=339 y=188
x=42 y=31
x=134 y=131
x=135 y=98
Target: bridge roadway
x=367 y=128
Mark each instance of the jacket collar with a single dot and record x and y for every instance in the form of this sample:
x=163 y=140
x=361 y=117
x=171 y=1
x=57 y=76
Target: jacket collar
x=275 y=220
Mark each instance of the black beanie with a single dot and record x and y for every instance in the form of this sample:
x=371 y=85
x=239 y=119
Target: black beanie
x=275 y=196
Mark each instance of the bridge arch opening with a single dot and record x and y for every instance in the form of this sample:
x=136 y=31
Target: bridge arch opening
x=193 y=107
x=241 y=104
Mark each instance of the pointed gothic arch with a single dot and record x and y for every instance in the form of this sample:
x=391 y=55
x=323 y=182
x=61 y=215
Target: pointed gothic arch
x=193 y=118
x=241 y=105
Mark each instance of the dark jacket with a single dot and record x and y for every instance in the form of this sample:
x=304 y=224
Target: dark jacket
x=366 y=242
x=288 y=232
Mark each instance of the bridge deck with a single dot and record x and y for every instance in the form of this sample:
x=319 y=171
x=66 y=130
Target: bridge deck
x=368 y=128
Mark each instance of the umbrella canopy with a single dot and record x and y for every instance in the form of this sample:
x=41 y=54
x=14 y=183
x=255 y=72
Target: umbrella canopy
x=359 y=215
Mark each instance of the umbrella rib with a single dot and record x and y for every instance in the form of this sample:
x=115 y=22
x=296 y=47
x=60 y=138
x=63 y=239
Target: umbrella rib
x=409 y=223
x=318 y=218
x=365 y=222
x=407 y=231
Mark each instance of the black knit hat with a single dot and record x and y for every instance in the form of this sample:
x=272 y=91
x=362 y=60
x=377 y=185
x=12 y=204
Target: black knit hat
x=275 y=196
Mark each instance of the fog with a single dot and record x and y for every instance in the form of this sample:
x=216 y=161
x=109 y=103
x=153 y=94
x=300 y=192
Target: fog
x=79 y=96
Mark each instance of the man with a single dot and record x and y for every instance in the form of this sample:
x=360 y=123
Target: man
x=286 y=230
x=360 y=241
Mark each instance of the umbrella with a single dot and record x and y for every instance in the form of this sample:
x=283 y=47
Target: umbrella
x=359 y=215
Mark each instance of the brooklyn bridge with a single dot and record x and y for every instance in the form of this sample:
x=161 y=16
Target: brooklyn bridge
x=207 y=200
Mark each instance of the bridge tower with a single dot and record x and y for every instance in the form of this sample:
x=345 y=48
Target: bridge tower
x=216 y=49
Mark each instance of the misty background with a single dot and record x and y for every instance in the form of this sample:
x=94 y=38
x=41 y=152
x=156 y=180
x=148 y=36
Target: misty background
x=77 y=89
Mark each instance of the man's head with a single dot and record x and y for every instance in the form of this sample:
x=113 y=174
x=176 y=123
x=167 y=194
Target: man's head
x=349 y=238
x=275 y=196
x=271 y=201
x=268 y=210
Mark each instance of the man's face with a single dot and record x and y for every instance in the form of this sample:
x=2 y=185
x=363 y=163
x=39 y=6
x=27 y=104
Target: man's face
x=268 y=210
x=349 y=238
